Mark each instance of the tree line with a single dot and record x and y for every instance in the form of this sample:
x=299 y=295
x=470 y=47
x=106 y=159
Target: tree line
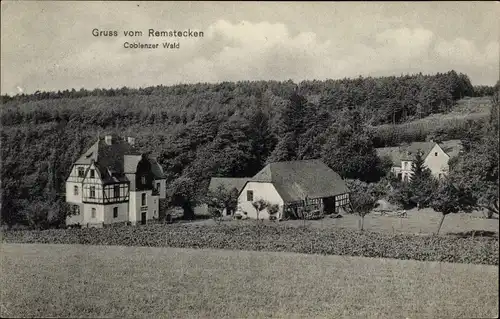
x=203 y=130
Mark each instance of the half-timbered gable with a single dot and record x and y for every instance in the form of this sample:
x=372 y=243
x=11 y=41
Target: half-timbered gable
x=111 y=180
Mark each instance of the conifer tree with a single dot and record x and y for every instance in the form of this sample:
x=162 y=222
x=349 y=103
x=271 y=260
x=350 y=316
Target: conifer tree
x=422 y=183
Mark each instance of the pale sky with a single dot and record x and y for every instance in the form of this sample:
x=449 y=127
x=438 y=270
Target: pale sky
x=49 y=45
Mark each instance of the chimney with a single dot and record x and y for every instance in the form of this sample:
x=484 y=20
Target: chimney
x=108 y=139
x=131 y=140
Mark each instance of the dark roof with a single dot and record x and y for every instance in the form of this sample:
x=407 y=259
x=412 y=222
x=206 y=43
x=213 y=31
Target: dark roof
x=228 y=182
x=156 y=169
x=405 y=152
x=295 y=180
x=116 y=159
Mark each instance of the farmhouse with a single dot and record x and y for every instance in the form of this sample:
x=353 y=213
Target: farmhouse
x=292 y=186
x=436 y=157
x=113 y=182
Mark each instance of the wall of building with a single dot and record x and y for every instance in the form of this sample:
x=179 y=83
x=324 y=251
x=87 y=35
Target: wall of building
x=163 y=188
x=136 y=209
x=87 y=214
x=265 y=191
x=72 y=181
x=437 y=161
x=75 y=219
x=95 y=182
x=122 y=213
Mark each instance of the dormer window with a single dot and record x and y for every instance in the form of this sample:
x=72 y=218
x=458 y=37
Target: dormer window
x=435 y=153
x=81 y=172
x=92 y=173
x=143 y=180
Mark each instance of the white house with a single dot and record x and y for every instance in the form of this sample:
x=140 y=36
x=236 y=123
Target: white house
x=113 y=182
x=293 y=185
x=436 y=157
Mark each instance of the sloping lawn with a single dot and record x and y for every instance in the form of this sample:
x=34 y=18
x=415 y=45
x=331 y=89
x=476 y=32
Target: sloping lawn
x=138 y=282
x=424 y=221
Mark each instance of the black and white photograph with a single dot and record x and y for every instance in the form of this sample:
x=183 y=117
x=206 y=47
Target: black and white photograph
x=231 y=159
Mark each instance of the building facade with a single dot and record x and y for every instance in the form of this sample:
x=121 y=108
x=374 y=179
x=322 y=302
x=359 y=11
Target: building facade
x=112 y=182
x=294 y=186
x=436 y=157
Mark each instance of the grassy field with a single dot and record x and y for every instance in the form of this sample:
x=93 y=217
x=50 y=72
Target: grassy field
x=105 y=281
x=424 y=221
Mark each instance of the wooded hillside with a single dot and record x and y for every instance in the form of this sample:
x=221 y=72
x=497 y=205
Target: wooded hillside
x=203 y=130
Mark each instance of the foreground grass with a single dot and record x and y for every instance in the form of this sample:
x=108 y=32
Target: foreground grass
x=131 y=282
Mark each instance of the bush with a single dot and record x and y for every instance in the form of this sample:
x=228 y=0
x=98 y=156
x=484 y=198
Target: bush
x=277 y=237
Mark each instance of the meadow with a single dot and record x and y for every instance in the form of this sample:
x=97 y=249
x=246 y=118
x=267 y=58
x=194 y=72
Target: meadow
x=424 y=221
x=143 y=282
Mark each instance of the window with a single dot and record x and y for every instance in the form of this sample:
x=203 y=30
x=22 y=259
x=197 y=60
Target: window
x=81 y=172
x=158 y=187
x=116 y=191
x=143 y=199
x=75 y=190
x=92 y=173
x=115 y=212
x=92 y=192
x=250 y=196
x=93 y=212
x=76 y=210
x=435 y=153
x=143 y=180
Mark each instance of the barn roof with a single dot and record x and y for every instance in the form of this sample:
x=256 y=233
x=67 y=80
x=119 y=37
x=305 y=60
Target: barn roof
x=295 y=180
x=228 y=182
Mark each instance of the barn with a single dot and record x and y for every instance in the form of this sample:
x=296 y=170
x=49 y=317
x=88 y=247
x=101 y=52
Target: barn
x=293 y=185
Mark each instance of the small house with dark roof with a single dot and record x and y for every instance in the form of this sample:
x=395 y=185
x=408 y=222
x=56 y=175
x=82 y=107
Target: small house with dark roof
x=293 y=185
x=436 y=157
x=228 y=184
x=114 y=182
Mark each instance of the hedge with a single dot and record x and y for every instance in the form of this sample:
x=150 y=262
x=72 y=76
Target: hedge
x=276 y=237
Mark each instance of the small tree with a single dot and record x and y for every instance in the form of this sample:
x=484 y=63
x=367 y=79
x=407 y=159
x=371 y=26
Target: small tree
x=219 y=199
x=400 y=195
x=215 y=213
x=182 y=192
x=362 y=199
x=449 y=199
x=259 y=206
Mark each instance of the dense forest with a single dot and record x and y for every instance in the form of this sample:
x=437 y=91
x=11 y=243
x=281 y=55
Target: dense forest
x=202 y=130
